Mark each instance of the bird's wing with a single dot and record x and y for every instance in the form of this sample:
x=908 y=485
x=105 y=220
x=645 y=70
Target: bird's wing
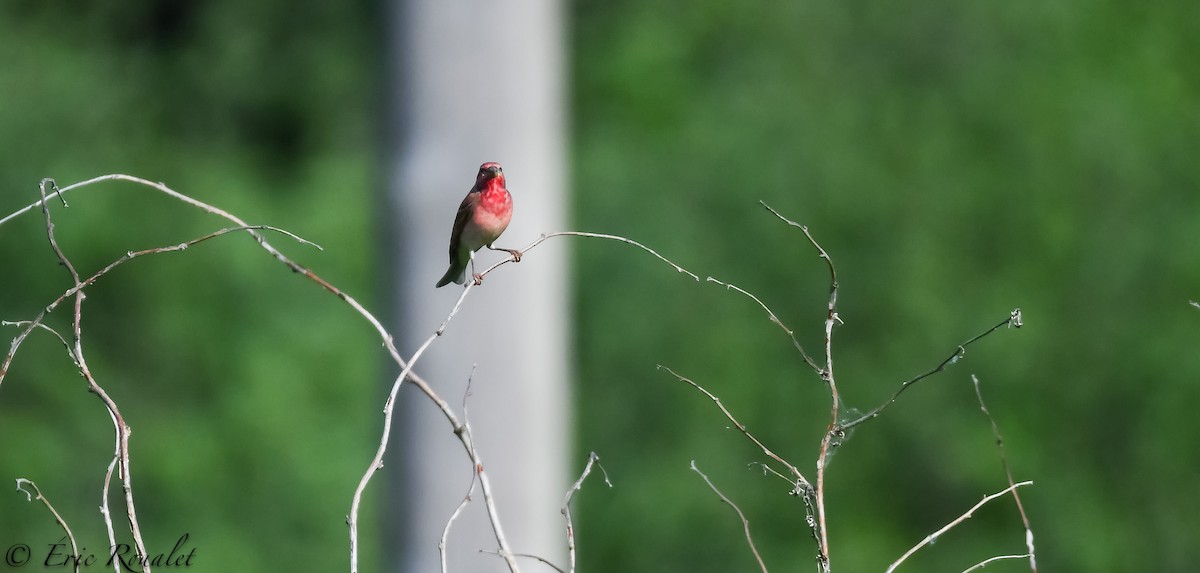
x=460 y=221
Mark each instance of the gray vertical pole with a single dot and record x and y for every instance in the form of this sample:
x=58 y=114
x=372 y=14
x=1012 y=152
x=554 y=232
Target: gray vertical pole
x=475 y=81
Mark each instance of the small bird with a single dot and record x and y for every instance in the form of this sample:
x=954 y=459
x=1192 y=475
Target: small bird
x=482 y=216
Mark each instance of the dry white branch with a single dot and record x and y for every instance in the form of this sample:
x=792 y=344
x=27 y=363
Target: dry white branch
x=545 y=236
x=933 y=536
x=985 y=562
x=566 y=506
x=539 y=558
x=104 y=511
x=453 y=516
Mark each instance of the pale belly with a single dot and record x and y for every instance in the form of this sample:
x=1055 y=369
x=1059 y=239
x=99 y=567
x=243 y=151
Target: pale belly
x=486 y=226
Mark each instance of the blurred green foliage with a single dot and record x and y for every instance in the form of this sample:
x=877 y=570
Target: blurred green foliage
x=956 y=160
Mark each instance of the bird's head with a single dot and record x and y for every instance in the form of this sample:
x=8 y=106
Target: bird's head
x=488 y=171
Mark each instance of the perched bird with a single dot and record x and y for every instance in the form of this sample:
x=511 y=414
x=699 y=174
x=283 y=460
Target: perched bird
x=482 y=216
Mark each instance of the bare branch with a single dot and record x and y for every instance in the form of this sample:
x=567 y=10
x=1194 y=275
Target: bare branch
x=470 y=489
x=457 y=510
x=526 y=556
x=1014 y=320
x=1008 y=475
x=933 y=537
x=742 y=516
x=566 y=506
x=545 y=236
x=62 y=522
x=985 y=562
x=104 y=511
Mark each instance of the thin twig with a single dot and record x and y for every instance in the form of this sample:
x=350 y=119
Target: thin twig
x=1194 y=303
x=62 y=522
x=566 y=506
x=545 y=236
x=1008 y=475
x=104 y=511
x=832 y=430
x=742 y=516
x=457 y=510
x=470 y=490
x=933 y=537
x=985 y=562
x=775 y=319
x=526 y=556
x=1014 y=320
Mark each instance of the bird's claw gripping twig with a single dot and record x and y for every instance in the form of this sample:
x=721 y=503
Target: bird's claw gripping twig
x=516 y=255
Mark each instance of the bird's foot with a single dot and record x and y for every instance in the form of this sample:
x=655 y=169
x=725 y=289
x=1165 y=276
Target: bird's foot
x=516 y=255
x=478 y=279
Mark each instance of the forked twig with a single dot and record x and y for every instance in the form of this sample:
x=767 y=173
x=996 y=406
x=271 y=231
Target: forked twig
x=933 y=536
x=566 y=506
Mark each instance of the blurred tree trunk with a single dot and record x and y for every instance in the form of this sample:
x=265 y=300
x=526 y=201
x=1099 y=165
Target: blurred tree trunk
x=474 y=81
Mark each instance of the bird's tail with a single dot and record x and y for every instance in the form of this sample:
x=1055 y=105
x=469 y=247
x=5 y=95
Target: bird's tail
x=456 y=274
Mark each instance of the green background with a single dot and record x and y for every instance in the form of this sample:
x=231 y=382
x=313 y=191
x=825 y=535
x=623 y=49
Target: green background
x=956 y=160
